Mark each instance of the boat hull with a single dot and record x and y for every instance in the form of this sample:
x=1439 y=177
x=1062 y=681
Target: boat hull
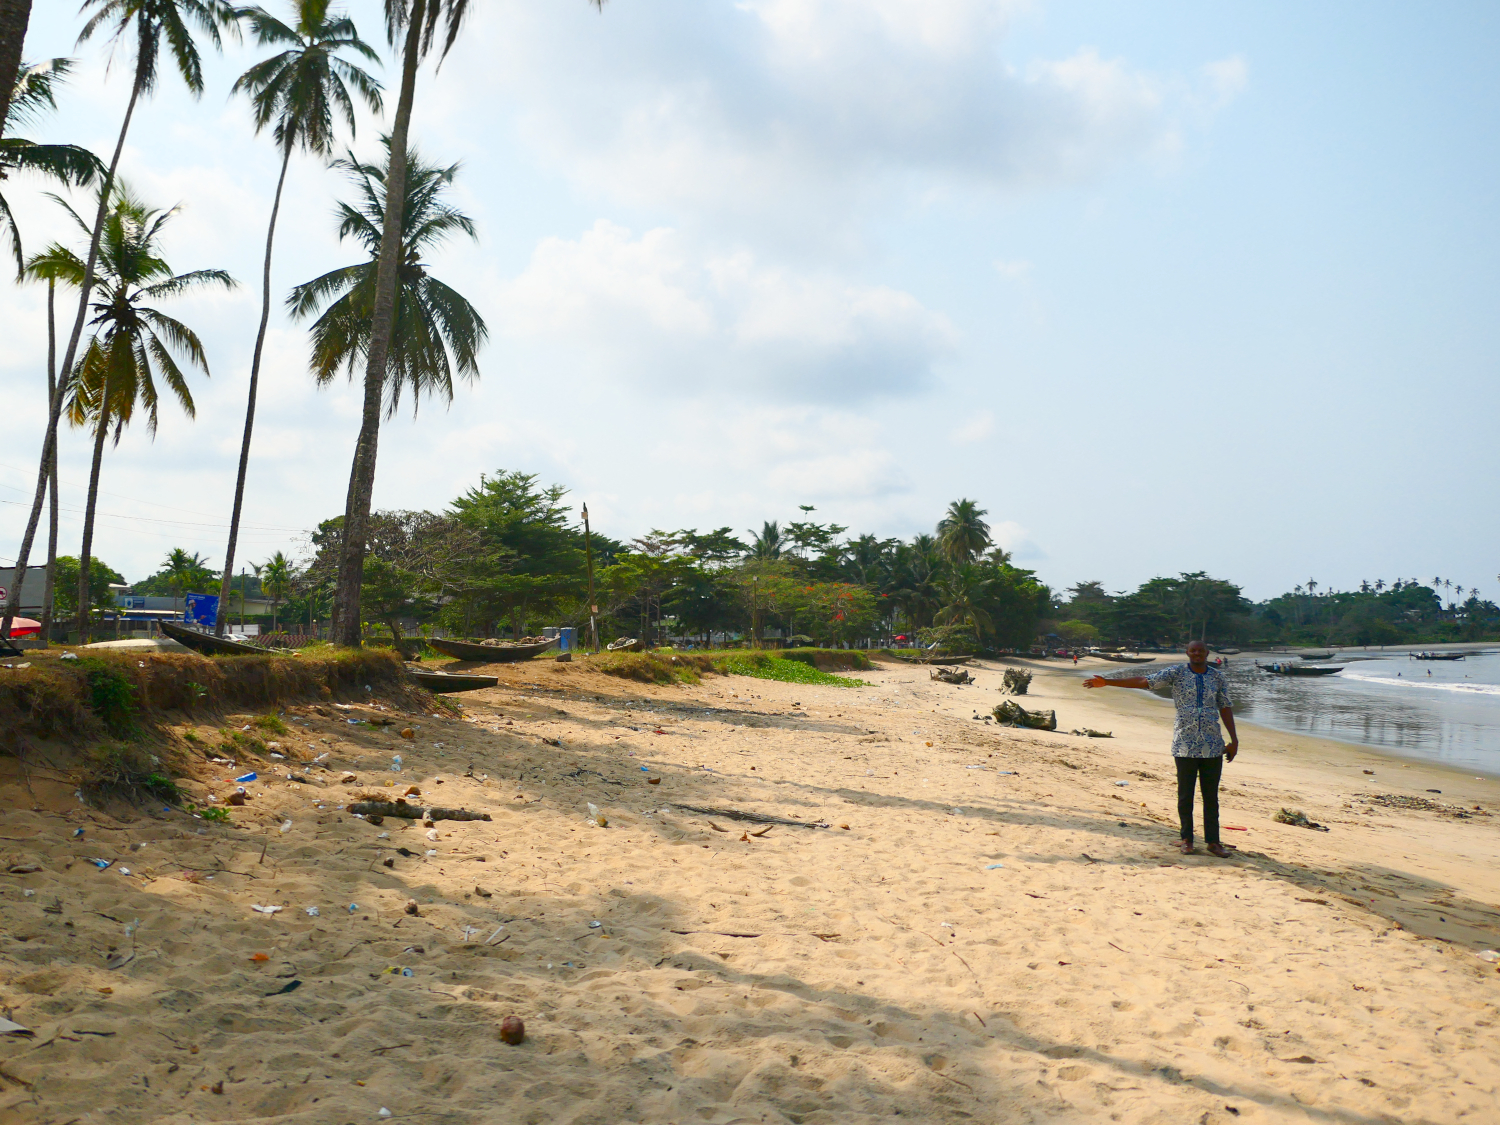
x=445 y=683
x=489 y=654
x=206 y=644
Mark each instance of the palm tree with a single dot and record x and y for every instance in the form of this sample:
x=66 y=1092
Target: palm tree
x=962 y=533
x=302 y=90
x=275 y=576
x=14 y=17
x=184 y=571
x=768 y=544
x=35 y=93
x=963 y=592
x=147 y=23
x=116 y=373
x=419 y=23
x=432 y=319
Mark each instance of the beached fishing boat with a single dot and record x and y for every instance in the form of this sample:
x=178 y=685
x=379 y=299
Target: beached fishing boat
x=1282 y=669
x=941 y=661
x=1437 y=655
x=626 y=644
x=1227 y=651
x=207 y=644
x=443 y=683
x=489 y=654
x=1121 y=658
x=1315 y=656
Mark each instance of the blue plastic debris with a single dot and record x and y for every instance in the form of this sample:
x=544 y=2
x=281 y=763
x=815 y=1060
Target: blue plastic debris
x=645 y=769
x=101 y=864
x=251 y=776
x=994 y=867
x=77 y=832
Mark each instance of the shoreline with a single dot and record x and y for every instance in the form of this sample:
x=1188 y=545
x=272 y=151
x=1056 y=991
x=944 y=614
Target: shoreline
x=1384 y=754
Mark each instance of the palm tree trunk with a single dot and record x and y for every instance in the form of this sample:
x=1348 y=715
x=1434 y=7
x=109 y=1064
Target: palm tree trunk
x=49 y=588
x=88 y=528
x=49 y=442
x=260 y=340
x=346 y=622
x=14 y=16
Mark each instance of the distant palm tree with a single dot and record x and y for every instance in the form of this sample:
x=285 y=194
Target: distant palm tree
x=116 y=373
x=1312 y=587
x=276 y=577
x=962 y=533
x=69 y=164
x=302 y=90
x=963 y=592
x=1364 y=586
x=768 y=544
x=432 y=320
x=1379 y=585
x=184 y=571
x=145 y=23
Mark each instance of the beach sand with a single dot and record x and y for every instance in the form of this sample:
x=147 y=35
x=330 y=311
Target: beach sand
x=968 y=923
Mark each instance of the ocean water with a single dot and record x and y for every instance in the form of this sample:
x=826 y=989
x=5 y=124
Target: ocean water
x=1441 y=710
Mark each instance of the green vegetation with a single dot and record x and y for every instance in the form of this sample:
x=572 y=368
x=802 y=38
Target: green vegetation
x=1174 y=610
x=111 y=697
x=217 y=814
x=271 y=723
x=766 y=667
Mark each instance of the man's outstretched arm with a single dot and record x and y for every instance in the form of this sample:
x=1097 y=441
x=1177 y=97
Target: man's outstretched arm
x=1128 y=681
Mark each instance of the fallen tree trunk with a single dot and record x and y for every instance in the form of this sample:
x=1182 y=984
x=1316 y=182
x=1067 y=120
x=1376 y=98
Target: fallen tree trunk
x=412 y=812
x=1013 y=714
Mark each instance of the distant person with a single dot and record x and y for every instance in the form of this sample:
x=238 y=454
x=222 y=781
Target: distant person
x=1201 y=695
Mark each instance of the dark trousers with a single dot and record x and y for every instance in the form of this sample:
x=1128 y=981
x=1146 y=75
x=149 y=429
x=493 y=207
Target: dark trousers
x=1205 y=771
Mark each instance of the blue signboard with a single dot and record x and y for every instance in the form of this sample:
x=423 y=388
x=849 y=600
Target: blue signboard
x=202 y=609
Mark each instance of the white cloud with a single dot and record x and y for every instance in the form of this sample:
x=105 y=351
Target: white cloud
x=793 y=112
x=667 y=313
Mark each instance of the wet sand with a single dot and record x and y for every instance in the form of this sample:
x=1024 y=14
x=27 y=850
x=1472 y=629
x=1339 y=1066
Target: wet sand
x=964 y=923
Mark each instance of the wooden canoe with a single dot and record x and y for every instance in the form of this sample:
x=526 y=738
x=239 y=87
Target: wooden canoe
x=939 y=661
x=489 y=654
x=444 y=683
x=209 y=645
x=1121 y=658
x=1280 y=669
x=1437 y=655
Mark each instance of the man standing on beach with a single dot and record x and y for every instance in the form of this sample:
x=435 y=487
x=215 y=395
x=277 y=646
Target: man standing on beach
x=1202 y=698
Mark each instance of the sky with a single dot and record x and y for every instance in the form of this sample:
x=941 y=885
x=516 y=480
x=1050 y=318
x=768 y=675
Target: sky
x=1165 y=287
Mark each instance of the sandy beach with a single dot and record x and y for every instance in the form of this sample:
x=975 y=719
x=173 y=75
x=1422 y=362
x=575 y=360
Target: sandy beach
x=951 y=921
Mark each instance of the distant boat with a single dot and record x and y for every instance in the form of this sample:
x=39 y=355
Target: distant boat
x=1437 y=655
x=626 y=644
x=1315 y=656
x=1281 y=669
x=489 y=654
x=1121 y=658
x=1227 y=651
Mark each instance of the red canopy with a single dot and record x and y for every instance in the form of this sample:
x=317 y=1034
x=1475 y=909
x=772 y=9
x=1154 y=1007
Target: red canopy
x=24 y=627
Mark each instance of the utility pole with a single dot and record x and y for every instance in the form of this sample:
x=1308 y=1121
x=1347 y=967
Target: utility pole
x=588 y=546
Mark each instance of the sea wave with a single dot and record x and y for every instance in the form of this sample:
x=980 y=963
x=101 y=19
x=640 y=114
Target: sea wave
x=1434 y=685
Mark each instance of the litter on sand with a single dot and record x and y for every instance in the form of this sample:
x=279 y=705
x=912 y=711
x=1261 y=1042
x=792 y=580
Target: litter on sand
x=266 y=909
x=994 y=866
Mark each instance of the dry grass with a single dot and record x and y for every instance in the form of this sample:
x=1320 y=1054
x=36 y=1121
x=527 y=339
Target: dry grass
x=112 y=711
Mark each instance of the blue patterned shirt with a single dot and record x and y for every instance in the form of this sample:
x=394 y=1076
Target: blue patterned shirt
x=1198 y=696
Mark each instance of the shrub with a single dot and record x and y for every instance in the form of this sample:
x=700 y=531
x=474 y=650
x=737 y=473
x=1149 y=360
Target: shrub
x=111 y=697
x=764 y=667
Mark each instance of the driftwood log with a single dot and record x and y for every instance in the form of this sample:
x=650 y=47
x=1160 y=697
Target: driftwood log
x=1013 y=714
x=412 y=812
x=1016 y=681
x=952 y=675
